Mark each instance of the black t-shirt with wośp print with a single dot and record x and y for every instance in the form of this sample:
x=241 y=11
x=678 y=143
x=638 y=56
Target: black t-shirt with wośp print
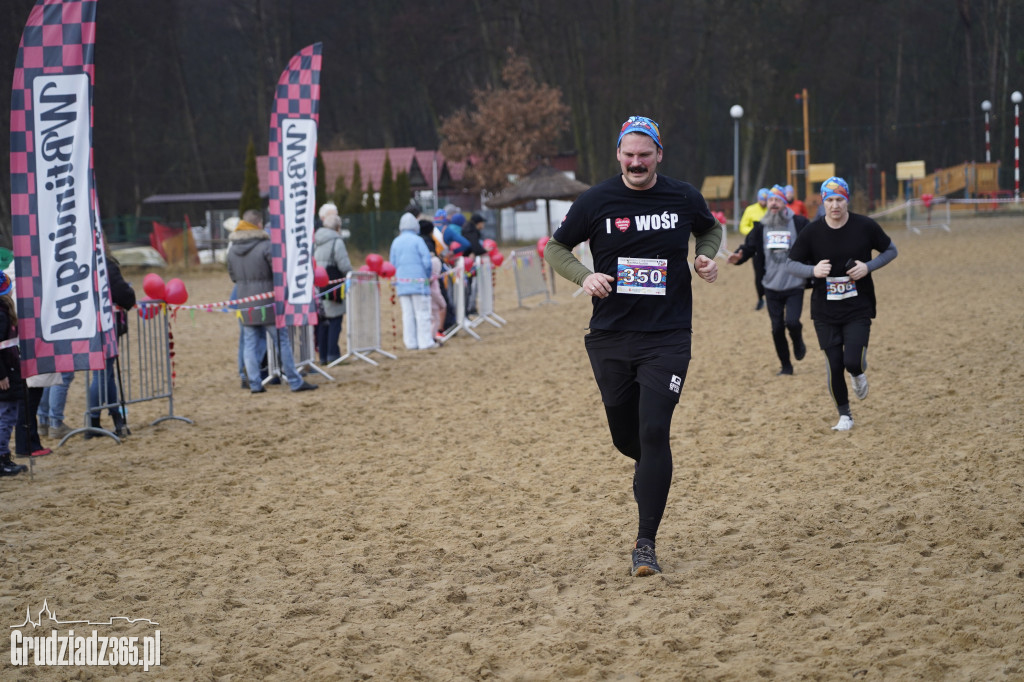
x=646 y=226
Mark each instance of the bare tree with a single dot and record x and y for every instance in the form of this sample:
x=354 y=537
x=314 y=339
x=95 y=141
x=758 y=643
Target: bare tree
x=510 y=128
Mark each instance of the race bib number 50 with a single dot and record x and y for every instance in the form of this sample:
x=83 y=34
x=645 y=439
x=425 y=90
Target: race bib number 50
x=645 y=276
x=838 y=288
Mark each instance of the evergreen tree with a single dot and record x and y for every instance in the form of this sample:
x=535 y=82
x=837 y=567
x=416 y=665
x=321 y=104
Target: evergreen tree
x=403 y=190
x=354 y=200
x=251 y=183
x=340 y=195
x=321 y=181
x=371 y=200
x=388 y=199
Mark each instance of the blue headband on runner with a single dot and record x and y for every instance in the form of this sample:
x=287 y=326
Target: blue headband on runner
x=835 y=187
x=640 y=124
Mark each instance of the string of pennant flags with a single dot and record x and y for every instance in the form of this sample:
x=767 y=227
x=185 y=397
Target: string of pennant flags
x=231 y=305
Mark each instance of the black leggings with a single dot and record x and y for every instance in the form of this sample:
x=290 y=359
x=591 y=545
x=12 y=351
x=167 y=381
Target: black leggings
x=759 y=275
x=640 y=430
x=784 y=308
x=846 y=347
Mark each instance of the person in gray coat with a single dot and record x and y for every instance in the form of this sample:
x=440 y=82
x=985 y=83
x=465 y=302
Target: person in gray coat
x=330 y=253
x=251 y=269
x=772 y=238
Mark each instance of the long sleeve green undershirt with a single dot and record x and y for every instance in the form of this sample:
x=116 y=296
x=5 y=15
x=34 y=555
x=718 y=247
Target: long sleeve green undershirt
x=709 y=242
x=560 y=256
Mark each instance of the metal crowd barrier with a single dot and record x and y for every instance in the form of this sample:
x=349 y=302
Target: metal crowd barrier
x=918 y=210
x=456 y=283
x=484 y=291
x=529 y=271
x=303 y=352
x=362 y=318
x=142 y=371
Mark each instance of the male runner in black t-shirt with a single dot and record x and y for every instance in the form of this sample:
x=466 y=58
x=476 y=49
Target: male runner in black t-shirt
x=836 y=250
x=639 y=224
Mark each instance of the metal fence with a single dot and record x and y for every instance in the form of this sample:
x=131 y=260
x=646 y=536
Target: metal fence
x=362 y=318
x=143 y=370
x=303 y=341
x=484 y=293
x=530 y=278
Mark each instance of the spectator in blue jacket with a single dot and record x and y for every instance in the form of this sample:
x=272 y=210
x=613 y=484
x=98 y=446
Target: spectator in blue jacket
x=411 y=259
x=456 y=244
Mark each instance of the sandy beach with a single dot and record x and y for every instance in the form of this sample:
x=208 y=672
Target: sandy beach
x=461 y=514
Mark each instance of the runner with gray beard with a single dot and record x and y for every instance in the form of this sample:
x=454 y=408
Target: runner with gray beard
x=772 y=237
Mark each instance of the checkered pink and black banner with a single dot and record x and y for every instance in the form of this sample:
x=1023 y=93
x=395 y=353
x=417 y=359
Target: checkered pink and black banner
x=292 y=183
x=64 y=308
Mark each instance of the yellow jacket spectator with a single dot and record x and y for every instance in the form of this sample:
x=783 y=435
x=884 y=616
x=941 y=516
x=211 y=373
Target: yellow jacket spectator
x=754 y=212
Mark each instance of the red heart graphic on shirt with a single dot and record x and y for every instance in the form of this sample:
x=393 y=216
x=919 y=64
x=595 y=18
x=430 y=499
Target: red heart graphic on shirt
x=622 y=224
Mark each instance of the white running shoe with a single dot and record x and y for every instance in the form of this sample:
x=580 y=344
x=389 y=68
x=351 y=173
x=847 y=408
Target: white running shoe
x=845 y=423
x=860 y=386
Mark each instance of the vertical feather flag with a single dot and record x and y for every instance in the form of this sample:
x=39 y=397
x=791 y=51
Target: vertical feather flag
x=64 y=308
x=292 y=183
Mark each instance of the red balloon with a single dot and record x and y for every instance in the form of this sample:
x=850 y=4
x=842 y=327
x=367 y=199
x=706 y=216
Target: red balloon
x=496 y=258
x=467 y=262
x=320 y=276
x=177 y=294
x=153 y=285
x=541 y=243
x=148 y=309
x=387 y=270
x=374 y=260
x=489 y=245
x=365 y=268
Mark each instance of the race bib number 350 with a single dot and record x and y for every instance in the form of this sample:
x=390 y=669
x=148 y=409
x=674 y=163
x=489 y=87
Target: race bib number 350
x=645 y=276
x=838 y=288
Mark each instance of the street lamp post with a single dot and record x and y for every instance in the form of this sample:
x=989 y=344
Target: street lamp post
x=986 y=106
x=737 y=113
x=1016 y=97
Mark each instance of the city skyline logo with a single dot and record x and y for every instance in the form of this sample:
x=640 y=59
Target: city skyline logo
x=61 y=646
x=52 y=617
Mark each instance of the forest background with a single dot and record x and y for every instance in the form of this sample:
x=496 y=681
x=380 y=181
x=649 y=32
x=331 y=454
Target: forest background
x=183 y=85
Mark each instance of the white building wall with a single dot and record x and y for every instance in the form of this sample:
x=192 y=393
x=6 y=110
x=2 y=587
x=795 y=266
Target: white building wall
x=525 y=226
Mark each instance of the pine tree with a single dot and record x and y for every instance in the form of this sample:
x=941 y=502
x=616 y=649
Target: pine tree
x=403 y=190
x=340 y=195
x=251 y=183
x=354 y=200
x=321 y=181
x=388 y=200
x=371 y=200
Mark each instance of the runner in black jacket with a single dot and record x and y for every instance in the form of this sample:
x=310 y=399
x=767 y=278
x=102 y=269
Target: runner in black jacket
x=771 y=238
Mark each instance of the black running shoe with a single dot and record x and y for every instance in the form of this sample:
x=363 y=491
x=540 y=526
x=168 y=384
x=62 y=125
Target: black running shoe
x=800 y=350
x=644 y=561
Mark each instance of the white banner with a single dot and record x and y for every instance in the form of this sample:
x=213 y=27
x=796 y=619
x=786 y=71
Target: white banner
x=60 y=108
x=299 y=160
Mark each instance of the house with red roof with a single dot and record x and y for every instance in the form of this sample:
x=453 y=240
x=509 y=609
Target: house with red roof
x=428 y=171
